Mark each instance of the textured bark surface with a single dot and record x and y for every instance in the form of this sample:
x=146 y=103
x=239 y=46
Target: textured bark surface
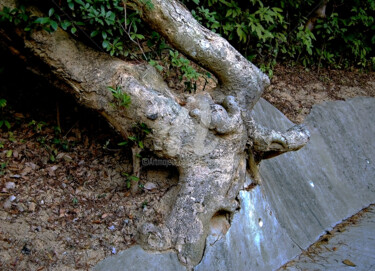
x=236 y=75
x=208 y=140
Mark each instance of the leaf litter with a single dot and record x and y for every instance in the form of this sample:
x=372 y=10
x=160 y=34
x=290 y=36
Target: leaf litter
x=65 y=208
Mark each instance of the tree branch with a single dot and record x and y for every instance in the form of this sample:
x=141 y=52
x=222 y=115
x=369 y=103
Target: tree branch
x=237 y=76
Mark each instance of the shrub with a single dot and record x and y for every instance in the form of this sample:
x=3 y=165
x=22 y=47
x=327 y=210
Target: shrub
x=265 y=32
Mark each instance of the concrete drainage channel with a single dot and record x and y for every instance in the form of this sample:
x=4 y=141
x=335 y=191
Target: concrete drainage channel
x=302 y=196
x=349 y=246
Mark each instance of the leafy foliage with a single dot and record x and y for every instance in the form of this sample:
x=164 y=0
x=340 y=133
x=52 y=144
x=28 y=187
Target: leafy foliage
x=122 y=99
x=140 y=131
x=3 y=121
x=3 y=103
x=269 y=30
x=264 y=31
x=129 y=179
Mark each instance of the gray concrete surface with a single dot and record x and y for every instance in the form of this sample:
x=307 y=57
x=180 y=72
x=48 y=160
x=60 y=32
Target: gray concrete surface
x=136 y=259
x=305 y=193
x=351 y=249
x=255 y=240
x=302 y=195
x=332 y=178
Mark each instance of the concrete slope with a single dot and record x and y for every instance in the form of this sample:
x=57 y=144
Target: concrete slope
x=350 y=247
x=302 y=195
x=330 y=179
x=137 y=259
x=255 y=241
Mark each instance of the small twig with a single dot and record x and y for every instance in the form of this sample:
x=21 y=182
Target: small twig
x=124 y=3
x=127 y=31
x=143 y=53
x=136 y=167
x=71 y=128
x=320 y=58
x=58 y=116
x=205 y=83
x=113 y=150
x=4 y=194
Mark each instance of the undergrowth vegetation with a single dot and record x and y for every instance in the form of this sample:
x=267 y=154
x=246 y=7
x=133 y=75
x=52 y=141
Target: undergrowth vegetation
x=264 y=31
x=269 y=31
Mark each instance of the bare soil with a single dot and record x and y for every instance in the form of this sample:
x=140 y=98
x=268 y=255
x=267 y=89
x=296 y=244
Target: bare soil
x=64 y=202
x=64 y=198
x=294 y=90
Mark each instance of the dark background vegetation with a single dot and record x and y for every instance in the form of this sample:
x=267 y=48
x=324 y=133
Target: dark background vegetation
x=266 y=32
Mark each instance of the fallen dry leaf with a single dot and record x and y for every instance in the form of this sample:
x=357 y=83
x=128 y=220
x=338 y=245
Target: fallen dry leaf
x=26 y=171
x=62 y=212
x=19 y=115
x=32 y=206
x=51 y=170
x=348 y=262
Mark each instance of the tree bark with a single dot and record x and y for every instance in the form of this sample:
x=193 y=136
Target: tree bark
x=208 y=140
x=237 y=76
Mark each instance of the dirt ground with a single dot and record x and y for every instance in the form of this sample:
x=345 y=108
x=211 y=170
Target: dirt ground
x=294 y=90
x=64 y=202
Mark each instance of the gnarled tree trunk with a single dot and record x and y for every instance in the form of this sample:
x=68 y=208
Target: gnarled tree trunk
x=209 y=139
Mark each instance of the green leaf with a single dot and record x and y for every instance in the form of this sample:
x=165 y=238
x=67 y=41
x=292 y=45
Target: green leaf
x=79 y=2
x=123 y=143
x=112 y=89
x=279 y=10
x=105 y=44
x=65 y=24
x=71 y=5
x=132 y=138
x=42 y=20
x=3 y=103
x=134 y=178
x=140 y=144
x=94 y=33
x=241 y=34
x=9 y=153
x=73 y=30
x=7 y=124
x=54 y=25
x=51 y=11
